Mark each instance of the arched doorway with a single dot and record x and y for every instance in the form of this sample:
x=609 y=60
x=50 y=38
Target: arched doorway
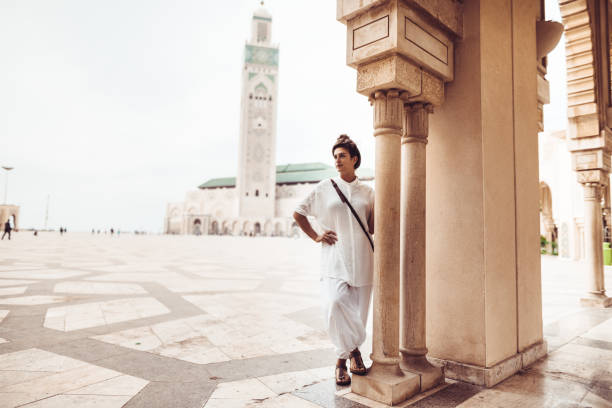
x=214 y=228
x=268 y=229
x=257 y=229
x=246 y=228
x=605 y=213
x=197 y=227
x=548 y=229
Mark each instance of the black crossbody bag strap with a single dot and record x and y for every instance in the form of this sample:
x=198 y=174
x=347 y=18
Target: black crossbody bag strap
x=344 y=200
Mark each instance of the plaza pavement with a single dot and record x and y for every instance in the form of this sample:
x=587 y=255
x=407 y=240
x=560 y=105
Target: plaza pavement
x=184 y=321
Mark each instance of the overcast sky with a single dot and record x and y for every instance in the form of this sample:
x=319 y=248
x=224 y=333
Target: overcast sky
x=114 y=108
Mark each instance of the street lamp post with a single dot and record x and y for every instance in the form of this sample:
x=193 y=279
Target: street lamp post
x=7 y=168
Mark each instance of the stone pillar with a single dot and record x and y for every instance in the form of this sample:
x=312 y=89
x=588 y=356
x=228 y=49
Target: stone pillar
x=593 y=252
x=387 y=130
x=403 y=52
x=413 y=346
x=385 y=381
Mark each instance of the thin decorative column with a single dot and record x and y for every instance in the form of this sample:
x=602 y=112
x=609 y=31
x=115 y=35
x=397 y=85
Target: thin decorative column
x=413 y=346
x=593 y=246
x=385 y=381
x=588 y=137
x=403 y=51
x=387 y=131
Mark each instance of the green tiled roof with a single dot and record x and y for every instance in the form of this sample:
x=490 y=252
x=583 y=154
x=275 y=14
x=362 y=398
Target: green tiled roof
x=292 y=174
x=219 y=182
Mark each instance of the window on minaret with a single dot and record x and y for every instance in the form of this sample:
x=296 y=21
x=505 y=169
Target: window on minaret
x=262 y=33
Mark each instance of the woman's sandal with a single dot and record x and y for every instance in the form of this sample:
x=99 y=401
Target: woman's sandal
x=357 y=366
x=342 y=376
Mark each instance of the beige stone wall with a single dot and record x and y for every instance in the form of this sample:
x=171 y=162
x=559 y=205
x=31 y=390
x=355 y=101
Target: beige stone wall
x=529 y=289
x=483 y=293
x=9 y=212
x=455 y=319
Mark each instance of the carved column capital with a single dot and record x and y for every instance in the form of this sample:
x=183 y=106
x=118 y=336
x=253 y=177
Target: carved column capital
x=592 y=177
x=416 y=127
x=387 y=112
x=592 y=191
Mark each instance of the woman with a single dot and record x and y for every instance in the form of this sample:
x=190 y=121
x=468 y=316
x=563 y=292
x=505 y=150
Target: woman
x=346 y=254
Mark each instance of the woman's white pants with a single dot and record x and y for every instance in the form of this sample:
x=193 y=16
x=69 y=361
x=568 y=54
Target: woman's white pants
x=346 y=314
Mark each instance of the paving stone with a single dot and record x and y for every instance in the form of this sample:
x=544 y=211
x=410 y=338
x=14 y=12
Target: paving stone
x=172 y=394
x=222 y=296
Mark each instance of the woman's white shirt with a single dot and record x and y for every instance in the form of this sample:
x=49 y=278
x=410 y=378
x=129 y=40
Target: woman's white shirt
x=351 y=257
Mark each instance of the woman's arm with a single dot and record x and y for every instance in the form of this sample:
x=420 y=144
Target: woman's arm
x=329 y=237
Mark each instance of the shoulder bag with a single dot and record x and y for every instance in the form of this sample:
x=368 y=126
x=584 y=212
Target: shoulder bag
x=344 y=200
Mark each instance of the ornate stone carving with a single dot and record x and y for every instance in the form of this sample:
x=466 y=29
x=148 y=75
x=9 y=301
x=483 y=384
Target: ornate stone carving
x=592 y=192
x=591 y=176
x=387 y=112
x=416 y=128
x=581 y=89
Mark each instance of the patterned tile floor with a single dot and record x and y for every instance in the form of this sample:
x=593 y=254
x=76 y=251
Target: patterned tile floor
x=183 y=321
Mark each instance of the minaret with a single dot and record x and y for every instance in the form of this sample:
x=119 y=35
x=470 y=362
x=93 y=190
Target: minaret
x=256 y=180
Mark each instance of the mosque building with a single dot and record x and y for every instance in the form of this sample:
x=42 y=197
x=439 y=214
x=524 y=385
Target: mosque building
x=260 y=200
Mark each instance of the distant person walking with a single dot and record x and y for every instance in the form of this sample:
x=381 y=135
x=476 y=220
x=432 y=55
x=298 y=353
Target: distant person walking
x=7 y=229
x=344 y=207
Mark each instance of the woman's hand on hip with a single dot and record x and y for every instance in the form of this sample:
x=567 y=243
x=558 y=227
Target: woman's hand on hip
x=328 y=237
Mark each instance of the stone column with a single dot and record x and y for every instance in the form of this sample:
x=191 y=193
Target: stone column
x=387 y=131
x=385 y=381
x=402 y=50
x=412 y=243
x=593 y=251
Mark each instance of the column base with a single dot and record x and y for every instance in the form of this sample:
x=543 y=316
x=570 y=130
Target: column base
x=490 y=376
x=430 y=375
x=387 y=384
x=596 y=300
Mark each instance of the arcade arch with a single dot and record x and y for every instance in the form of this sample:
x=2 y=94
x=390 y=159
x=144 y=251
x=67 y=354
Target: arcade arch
x=214 y=228
x=197 y=227
x=268 y=229
x=9 y=212
x=236 y=228
x=548 y=229
x=246 y=228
